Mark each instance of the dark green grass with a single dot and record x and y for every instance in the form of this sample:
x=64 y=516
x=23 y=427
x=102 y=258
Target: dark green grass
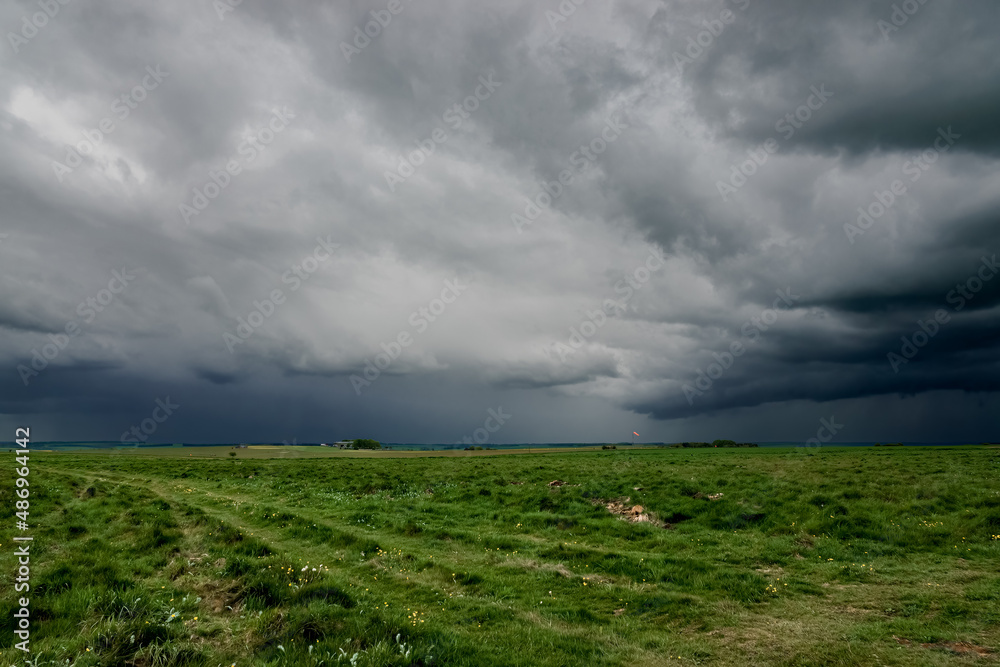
x=809 y=557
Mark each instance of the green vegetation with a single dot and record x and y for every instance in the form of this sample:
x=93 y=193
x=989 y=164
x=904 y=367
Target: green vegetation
x=797 y=556
x=715 y=443
x=366 y=443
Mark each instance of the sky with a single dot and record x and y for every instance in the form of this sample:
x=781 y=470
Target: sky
x=500 y=222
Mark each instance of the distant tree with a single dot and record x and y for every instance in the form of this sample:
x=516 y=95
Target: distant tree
x=723 y=443
x=366 y=443
x=233 y=454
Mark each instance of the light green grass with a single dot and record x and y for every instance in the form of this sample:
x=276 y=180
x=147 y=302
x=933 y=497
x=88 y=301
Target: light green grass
x=810 y=557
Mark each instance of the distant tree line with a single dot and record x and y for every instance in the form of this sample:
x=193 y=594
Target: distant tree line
x=716 y=443
x=888 y=444
x=366 y=443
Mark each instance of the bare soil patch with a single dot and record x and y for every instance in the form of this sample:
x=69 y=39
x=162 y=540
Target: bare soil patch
x=961 y=648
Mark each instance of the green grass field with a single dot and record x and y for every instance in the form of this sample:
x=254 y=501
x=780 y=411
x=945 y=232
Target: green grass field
x=809 y=557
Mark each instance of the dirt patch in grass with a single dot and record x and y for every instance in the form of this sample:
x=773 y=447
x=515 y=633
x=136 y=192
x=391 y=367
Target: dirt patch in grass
x=626 y=511
x=961 y=648
x=219 y=596
x=854 y=610
x=193 y=557
x=805 y=542
x=562 y=570
x=771 y=570
x=559 y=568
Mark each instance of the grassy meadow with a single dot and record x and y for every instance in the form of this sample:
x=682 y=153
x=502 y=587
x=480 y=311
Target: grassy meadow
x=808 y=556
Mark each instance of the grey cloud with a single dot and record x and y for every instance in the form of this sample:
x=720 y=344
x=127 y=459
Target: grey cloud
x=655 y=186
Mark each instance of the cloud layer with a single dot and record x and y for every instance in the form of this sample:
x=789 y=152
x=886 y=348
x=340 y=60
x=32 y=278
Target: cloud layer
x=315 y=221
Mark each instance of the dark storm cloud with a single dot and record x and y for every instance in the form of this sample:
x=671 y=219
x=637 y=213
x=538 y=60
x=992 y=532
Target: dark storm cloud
x=564 y=319
x=897 y=76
